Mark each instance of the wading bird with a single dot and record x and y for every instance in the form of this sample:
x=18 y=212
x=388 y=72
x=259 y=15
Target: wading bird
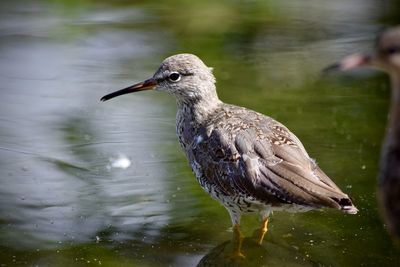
x=386 y=56
x=247 y=161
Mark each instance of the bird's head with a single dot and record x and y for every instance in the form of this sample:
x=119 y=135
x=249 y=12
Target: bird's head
x=386 y=54
x=184 y=76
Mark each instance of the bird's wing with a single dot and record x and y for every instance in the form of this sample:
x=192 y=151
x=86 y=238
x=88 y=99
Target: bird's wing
x=261 y=158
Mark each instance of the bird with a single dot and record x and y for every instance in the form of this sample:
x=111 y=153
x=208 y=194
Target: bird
x=247 y=161
x=385 y=56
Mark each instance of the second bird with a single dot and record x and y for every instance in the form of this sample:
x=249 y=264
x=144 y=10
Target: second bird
x=247 y=161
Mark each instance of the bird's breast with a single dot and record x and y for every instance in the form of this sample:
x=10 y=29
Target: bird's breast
x=186 y=128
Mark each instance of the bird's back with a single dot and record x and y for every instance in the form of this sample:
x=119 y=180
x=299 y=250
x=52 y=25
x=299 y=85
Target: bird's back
x=236 y=152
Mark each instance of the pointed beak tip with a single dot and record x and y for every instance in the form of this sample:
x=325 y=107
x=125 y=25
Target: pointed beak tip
x=106 y=97
x=332 y=68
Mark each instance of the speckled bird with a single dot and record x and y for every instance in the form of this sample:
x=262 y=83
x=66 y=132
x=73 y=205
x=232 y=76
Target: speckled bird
x=247 y=161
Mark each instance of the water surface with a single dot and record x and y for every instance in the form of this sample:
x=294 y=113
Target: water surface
x=66 y=198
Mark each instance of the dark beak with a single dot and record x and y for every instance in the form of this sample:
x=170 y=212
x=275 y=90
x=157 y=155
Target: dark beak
x=146 y=85
x=350 y=62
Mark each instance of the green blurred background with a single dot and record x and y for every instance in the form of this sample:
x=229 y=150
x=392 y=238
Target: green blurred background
x=64 y=201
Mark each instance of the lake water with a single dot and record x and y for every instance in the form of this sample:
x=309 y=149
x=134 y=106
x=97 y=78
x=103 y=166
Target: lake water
x=87 y=183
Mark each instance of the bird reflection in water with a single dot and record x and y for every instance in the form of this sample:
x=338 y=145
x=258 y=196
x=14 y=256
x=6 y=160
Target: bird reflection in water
x=270 y=254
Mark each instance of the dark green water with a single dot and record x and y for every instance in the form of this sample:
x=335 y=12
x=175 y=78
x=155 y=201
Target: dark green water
x=63 y=203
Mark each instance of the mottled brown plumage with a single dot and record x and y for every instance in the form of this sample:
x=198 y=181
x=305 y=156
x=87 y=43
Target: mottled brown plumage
x=386 y=56
x=246 y=160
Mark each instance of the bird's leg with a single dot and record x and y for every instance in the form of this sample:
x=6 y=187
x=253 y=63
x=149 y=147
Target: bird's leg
x=263 y=230
x=237 y=242
x=237 y=239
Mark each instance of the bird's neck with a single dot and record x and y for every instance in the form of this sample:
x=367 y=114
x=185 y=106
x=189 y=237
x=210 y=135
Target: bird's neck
x=394 y=114
x=191 y=118
x=395 y=82
x=390 y=161
x=197 y=110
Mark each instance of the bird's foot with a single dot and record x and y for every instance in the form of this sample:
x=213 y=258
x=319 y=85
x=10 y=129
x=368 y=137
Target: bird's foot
x=236 y=255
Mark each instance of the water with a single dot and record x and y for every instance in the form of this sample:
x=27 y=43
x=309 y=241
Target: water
x=90 y=183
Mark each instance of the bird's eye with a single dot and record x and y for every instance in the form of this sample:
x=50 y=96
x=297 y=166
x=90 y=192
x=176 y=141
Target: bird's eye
x=393 y=50
x=174 y=77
